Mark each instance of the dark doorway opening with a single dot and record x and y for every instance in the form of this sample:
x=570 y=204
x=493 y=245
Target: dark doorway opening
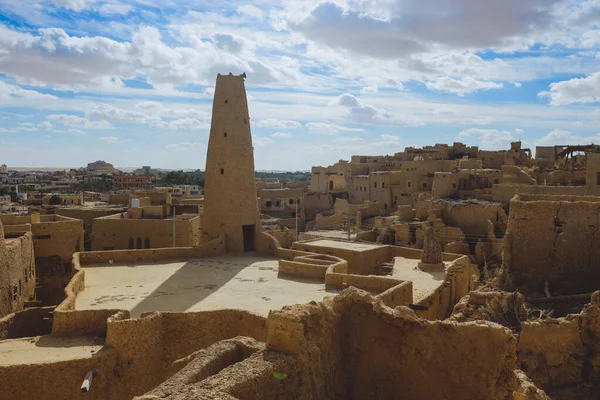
x=248 y=232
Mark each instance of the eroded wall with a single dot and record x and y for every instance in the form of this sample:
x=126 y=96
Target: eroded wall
x=17 y=272
x=553 y=239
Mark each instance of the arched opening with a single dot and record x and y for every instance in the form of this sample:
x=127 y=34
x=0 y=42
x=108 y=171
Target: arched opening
x=131 y=244
x=225 y=134
x=138 y=243
x=147 y=243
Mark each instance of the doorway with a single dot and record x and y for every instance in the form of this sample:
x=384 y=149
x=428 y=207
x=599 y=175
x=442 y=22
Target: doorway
x=248 y=232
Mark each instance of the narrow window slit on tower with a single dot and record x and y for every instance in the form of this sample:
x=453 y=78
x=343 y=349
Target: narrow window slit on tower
x=226 y=101
x=222 y=171
x=225 y=134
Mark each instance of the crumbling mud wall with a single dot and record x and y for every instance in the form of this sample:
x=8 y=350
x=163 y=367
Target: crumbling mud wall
x=17 y=272
x=196 y=371
x=553 y=239
x=60 y=237
x=471 y=216
x=505 y=192
x=398 y=356
x=59 y=380
x=87 y=215
x=562 y=355
x=28 y=322
x=147 y=347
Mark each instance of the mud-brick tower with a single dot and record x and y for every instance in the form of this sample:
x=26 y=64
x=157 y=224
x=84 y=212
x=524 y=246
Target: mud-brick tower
x=230 y=203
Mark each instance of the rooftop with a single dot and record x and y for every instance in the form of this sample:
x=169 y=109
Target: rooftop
x=47 y=349
x=227 y=282
x=355 y=246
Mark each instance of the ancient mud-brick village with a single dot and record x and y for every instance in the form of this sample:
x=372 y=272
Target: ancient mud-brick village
x=443 y=272
x=299 y=200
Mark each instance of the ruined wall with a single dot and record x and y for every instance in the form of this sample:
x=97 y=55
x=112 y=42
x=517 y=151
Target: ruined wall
x=503 y=193
x=87 y=215
x=230 y=200
x=464 y=183
x=553 y=239
x=61 y=237
x=282 y=203
x=318 y=180
x=358 y=188
x=592 y=175
x=331 y=222
x=26 y=323
x=398 y=356
x=116 y=234
x=512 y=175
x=491 y=159
x=381 y=190
x=315 y=203
x=17 y=272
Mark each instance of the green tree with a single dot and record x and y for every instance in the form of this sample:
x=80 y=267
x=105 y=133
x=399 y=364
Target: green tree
x=55 y=200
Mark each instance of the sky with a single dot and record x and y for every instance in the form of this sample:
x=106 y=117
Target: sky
x=131 y=82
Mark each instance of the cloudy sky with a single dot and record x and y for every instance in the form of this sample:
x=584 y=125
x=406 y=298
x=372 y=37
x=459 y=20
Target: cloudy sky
x=131 y=82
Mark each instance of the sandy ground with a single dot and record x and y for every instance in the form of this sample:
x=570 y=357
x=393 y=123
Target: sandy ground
x=424 y=283
x=355 y=246
x=237 y=282
x=47 y=349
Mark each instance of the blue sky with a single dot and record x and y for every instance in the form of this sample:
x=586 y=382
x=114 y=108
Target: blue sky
x=131 y=83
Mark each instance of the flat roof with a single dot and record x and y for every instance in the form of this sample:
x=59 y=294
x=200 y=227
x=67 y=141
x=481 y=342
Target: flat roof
x=245 y=282
x=355 y=246
x=47 y=349
x=424 y=282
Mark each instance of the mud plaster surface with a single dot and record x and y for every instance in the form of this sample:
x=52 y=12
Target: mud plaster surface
x=235 y=282
x=47 y=349
x=344 y=245
x=424 y=282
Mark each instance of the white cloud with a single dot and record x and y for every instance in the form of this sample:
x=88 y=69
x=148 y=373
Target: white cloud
x=111 y=113
x=461 y=86
x=8 y=92
x=576 y=90
x=278 y=124
x=379 y=29
x=228 y=42
x=186 y=146
x=78 y=122
x=27 y=126
x=349 y=140
x=75 y=5
x=250 y=11
x=329 y=129
x=491 y=139
x=68 y=131
x=262 y=141
x=190 y=124
x=114 y=9
x=113 y=140
x=4 y=130
x=444 y=111
x=369 y=89
x=363 y=113
x=560 y=136
x=281 y=135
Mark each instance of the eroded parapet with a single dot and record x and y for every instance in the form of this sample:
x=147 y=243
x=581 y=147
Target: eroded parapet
x=372 y=351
